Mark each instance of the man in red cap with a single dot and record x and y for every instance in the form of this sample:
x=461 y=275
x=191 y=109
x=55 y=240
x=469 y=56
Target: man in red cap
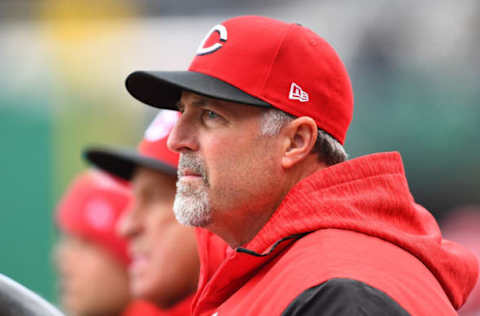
x=165 y=265
x=265 y=110
x=91 y=259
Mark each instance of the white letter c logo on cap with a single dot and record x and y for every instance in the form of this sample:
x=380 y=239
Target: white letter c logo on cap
x=222 y=31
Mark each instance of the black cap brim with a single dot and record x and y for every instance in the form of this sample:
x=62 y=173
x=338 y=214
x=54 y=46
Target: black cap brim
x=123 y=162
x=163 y=89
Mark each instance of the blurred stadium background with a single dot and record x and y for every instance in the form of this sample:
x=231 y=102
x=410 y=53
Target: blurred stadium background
x=414 y=65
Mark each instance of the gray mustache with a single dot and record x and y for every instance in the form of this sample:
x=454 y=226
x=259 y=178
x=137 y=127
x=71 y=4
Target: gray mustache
x=192 y=162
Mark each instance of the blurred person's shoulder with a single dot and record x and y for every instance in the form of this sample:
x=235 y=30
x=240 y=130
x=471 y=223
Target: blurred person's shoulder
x=142 y=308
x=145 y=308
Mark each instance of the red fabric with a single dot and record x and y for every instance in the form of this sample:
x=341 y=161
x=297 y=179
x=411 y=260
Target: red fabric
x=364 y=225
x=462 y=225
x=142 y=308
x=154 y=143
x=91 y=208
x=278 y=55
x=212 y=250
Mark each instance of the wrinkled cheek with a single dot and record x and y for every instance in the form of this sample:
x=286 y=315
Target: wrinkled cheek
x=215 y=158
x=231 y=166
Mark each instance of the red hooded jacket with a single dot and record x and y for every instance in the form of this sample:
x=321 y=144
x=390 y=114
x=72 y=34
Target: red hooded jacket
x=347 y=240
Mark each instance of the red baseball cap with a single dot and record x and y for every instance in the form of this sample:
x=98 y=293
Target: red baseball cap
x=261 y=62
x=91 y=208
x=152 y=151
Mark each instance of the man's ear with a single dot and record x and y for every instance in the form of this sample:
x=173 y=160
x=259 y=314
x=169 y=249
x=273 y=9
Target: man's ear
x=299 y=138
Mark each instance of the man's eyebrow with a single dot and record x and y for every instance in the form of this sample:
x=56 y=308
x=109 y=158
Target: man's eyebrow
x=195 y=102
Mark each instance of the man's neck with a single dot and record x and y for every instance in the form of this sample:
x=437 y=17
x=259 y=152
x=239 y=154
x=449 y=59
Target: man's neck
x=238 y=231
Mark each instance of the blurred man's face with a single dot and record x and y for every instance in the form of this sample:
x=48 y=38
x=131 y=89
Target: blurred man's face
x=165 y=264
x=92 y=282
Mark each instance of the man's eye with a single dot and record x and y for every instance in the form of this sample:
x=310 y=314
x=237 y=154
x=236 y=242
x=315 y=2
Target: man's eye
x=211 y=115
x=211 y=118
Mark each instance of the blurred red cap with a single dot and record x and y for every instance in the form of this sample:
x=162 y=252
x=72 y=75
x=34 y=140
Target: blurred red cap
x=91 y=208
x=152 y=151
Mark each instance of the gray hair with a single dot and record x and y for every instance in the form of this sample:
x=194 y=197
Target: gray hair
x=327 y=147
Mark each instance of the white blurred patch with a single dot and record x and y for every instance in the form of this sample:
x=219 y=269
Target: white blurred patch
x=161 y=125
x=99 y=214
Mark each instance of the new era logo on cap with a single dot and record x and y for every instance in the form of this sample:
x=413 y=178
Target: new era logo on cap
x=297 y=93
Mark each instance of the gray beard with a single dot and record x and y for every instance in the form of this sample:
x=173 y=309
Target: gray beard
x=191 y=206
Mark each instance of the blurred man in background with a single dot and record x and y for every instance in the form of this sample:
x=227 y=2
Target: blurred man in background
x=165 y=264
x=91 y=259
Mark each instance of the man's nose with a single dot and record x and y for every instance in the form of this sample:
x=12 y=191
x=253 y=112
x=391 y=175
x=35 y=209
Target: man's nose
x=183 y=136
x=129 y=223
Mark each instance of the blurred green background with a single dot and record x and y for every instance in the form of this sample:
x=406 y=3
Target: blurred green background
x=414 y=67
